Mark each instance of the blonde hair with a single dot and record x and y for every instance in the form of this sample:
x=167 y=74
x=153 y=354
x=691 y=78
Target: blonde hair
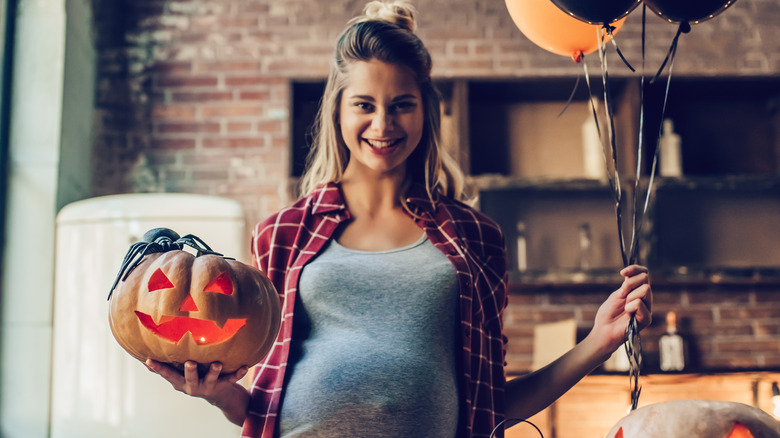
x=384 y=32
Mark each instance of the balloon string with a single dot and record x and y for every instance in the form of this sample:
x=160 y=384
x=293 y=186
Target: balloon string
x=610 y=32
x=672 y=55
x=516 y=421
x=637 y=223
x=573 y=92
x=593 y=107
x=615 y=177
x=598 y=125
x=579 y=57
x=684 y=27
x=633 y=341
x=634 y=352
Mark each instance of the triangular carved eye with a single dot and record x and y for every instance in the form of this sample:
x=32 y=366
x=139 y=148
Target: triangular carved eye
x=222 y=285
x=159 y=281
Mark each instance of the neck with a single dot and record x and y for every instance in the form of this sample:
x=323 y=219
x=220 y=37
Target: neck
x=372 y=196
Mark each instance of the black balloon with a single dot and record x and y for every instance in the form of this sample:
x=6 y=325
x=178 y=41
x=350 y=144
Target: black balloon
x=598 y=11
x=690 y=11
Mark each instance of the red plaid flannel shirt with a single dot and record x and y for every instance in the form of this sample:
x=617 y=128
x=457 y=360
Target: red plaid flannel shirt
x=284 y=243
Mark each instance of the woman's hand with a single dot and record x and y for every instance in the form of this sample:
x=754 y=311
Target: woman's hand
x=223 y=392
x=634 y=297
x=529 y=394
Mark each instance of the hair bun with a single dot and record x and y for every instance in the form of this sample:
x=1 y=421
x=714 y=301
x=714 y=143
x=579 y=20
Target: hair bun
x=398 y=12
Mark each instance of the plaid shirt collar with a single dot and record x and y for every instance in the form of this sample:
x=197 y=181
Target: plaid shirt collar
x=330 y=199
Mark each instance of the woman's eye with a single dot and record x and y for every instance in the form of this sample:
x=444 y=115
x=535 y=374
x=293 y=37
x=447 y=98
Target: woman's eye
x=365 y=106
x=404 y=106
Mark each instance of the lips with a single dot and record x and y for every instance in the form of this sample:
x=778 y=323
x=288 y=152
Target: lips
x=204 y=332
x=381 y=144
x=383 y=147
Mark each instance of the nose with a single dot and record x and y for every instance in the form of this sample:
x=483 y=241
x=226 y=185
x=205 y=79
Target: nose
x=189 y=305
x=382 y=121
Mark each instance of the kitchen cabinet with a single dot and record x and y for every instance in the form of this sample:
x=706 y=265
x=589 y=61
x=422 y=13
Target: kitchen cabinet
x=521 y=145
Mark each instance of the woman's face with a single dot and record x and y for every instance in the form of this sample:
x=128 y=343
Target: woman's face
x=380 y=117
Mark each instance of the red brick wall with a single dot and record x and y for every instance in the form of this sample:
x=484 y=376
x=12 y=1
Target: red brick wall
x=727 y=327
x=201 y=87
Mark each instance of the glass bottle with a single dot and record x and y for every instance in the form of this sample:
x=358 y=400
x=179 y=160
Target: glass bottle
x=671 y=153
x=585 y=245
x=522 y=250
x=671 y=346
x=593 y=162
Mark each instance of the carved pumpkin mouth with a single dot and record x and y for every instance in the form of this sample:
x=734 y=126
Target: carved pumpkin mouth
x=204 y=332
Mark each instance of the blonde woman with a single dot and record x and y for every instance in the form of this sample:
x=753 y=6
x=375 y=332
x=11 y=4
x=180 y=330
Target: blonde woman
x=393 y=290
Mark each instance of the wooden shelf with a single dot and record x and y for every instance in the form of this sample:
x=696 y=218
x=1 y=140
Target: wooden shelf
x=574 y=280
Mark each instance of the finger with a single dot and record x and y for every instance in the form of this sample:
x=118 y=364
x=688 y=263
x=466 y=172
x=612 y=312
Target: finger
x=213 y=374
x=642 y=293
x=168 y=373
x=640 y=300
x=642 y=314
x=238 y=375
x=633 y=270
x=633 y=282
x=191 y=374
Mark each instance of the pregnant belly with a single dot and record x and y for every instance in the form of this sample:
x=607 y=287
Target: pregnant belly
x=362 y=387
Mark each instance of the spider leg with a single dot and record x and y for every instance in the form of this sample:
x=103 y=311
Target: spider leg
x=197 y=243
x=128 y=263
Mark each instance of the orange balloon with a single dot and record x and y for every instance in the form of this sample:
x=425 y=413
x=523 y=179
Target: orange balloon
x=554 y=30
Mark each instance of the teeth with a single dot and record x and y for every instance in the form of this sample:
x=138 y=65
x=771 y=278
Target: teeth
x=381 y=144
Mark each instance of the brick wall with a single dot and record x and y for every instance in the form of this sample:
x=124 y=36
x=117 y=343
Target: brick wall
x=727 y=327
x=200 y=88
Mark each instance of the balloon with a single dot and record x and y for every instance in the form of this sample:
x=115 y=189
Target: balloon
x=598 y=11
x=690 y=11
x=554 y=30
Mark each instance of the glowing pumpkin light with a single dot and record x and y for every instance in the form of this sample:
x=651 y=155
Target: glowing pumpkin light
x=696 y=419
x=172 y=306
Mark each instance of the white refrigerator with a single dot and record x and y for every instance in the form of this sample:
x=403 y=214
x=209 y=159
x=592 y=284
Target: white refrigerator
x=98 y=389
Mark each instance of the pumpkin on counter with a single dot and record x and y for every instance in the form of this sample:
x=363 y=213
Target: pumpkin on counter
x=172 y=306
x=696 y=419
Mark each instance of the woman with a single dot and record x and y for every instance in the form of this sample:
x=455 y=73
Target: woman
x=393 y=291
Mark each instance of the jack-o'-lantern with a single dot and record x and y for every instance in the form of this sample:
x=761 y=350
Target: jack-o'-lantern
x=172 y=306
x=696 y=419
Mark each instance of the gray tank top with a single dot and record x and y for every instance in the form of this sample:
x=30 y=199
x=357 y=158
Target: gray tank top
x=373 y=349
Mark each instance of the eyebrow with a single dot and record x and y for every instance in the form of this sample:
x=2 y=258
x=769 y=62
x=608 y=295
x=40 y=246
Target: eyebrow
x=371 y=99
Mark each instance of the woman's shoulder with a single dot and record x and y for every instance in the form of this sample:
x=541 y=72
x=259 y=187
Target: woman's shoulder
x=291 y=214
x=461 y=211
x=324 y=198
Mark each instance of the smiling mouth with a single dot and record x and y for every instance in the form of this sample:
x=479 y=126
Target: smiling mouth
x=204 y=332
x=383 y=144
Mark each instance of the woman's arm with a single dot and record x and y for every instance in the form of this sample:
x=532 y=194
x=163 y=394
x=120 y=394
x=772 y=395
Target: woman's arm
x=223 y=392
x=529 y=394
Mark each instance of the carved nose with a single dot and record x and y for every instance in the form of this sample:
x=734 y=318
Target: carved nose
x=189 y=305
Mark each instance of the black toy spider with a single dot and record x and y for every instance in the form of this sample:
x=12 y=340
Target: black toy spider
x=158 y=240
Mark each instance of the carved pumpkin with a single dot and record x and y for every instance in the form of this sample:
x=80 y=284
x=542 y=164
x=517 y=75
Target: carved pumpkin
x=696 y=419
x=172 y=306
